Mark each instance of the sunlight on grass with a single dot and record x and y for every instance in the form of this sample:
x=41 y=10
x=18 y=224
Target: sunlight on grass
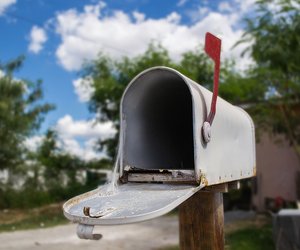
x=251 y=238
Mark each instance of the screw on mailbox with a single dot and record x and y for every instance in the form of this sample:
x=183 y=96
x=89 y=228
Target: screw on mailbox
x=177 y=139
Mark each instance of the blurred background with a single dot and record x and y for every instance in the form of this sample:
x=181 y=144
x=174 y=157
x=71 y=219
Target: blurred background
x=63 y=68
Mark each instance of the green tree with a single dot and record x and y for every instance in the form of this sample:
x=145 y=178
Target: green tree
x=240 y=88
x=57 y=165
x=275 y=33
x=21 y=113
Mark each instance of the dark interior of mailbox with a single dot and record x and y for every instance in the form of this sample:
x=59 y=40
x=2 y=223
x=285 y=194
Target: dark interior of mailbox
x=158 y=121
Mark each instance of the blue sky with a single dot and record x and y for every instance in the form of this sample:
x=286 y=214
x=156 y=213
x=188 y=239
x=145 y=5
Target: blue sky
x=58 y=36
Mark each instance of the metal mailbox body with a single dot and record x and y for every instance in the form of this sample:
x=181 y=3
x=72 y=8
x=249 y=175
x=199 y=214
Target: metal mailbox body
x=229 y=156
x=163 y=159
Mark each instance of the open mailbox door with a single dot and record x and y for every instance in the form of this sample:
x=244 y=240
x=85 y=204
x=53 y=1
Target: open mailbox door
x=172 y=144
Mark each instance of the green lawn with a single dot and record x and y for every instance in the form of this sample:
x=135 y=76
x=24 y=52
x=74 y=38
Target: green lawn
x=251 y=238
x=11 y=220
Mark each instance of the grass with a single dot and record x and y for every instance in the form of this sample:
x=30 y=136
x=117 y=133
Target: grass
x=170 y=248
x=21 y=219
x=254 y=236
x=247 y=235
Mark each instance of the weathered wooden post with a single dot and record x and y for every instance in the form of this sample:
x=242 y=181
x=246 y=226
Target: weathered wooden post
x=201 y=222
x=175 y=149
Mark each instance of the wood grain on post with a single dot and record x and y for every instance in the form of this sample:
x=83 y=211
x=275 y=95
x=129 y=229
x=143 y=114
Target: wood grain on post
x=201 y=222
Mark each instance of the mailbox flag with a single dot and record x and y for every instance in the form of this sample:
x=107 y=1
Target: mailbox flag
x=213 y=49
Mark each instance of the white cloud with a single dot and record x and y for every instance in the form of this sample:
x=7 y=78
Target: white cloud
x=77 y=137
x=84 y=34
x=4 y=4
x=245 y=5
x=224 y=6
x=69 y=128
x=86 y=151
x=181 y=3
x=32 y=143
x=71 y=132
x=197 y=14
x=139 y=17
x=84 y=88
x=37 y=39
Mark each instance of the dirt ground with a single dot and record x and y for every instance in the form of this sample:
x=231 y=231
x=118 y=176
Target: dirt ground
x=151 y=234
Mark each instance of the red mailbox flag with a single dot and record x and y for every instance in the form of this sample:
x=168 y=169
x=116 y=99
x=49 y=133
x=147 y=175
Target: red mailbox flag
x=213 y=50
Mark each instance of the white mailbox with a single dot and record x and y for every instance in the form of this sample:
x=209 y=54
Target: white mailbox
x=176 y=137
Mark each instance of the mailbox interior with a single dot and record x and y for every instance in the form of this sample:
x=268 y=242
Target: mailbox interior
x=157 y=126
